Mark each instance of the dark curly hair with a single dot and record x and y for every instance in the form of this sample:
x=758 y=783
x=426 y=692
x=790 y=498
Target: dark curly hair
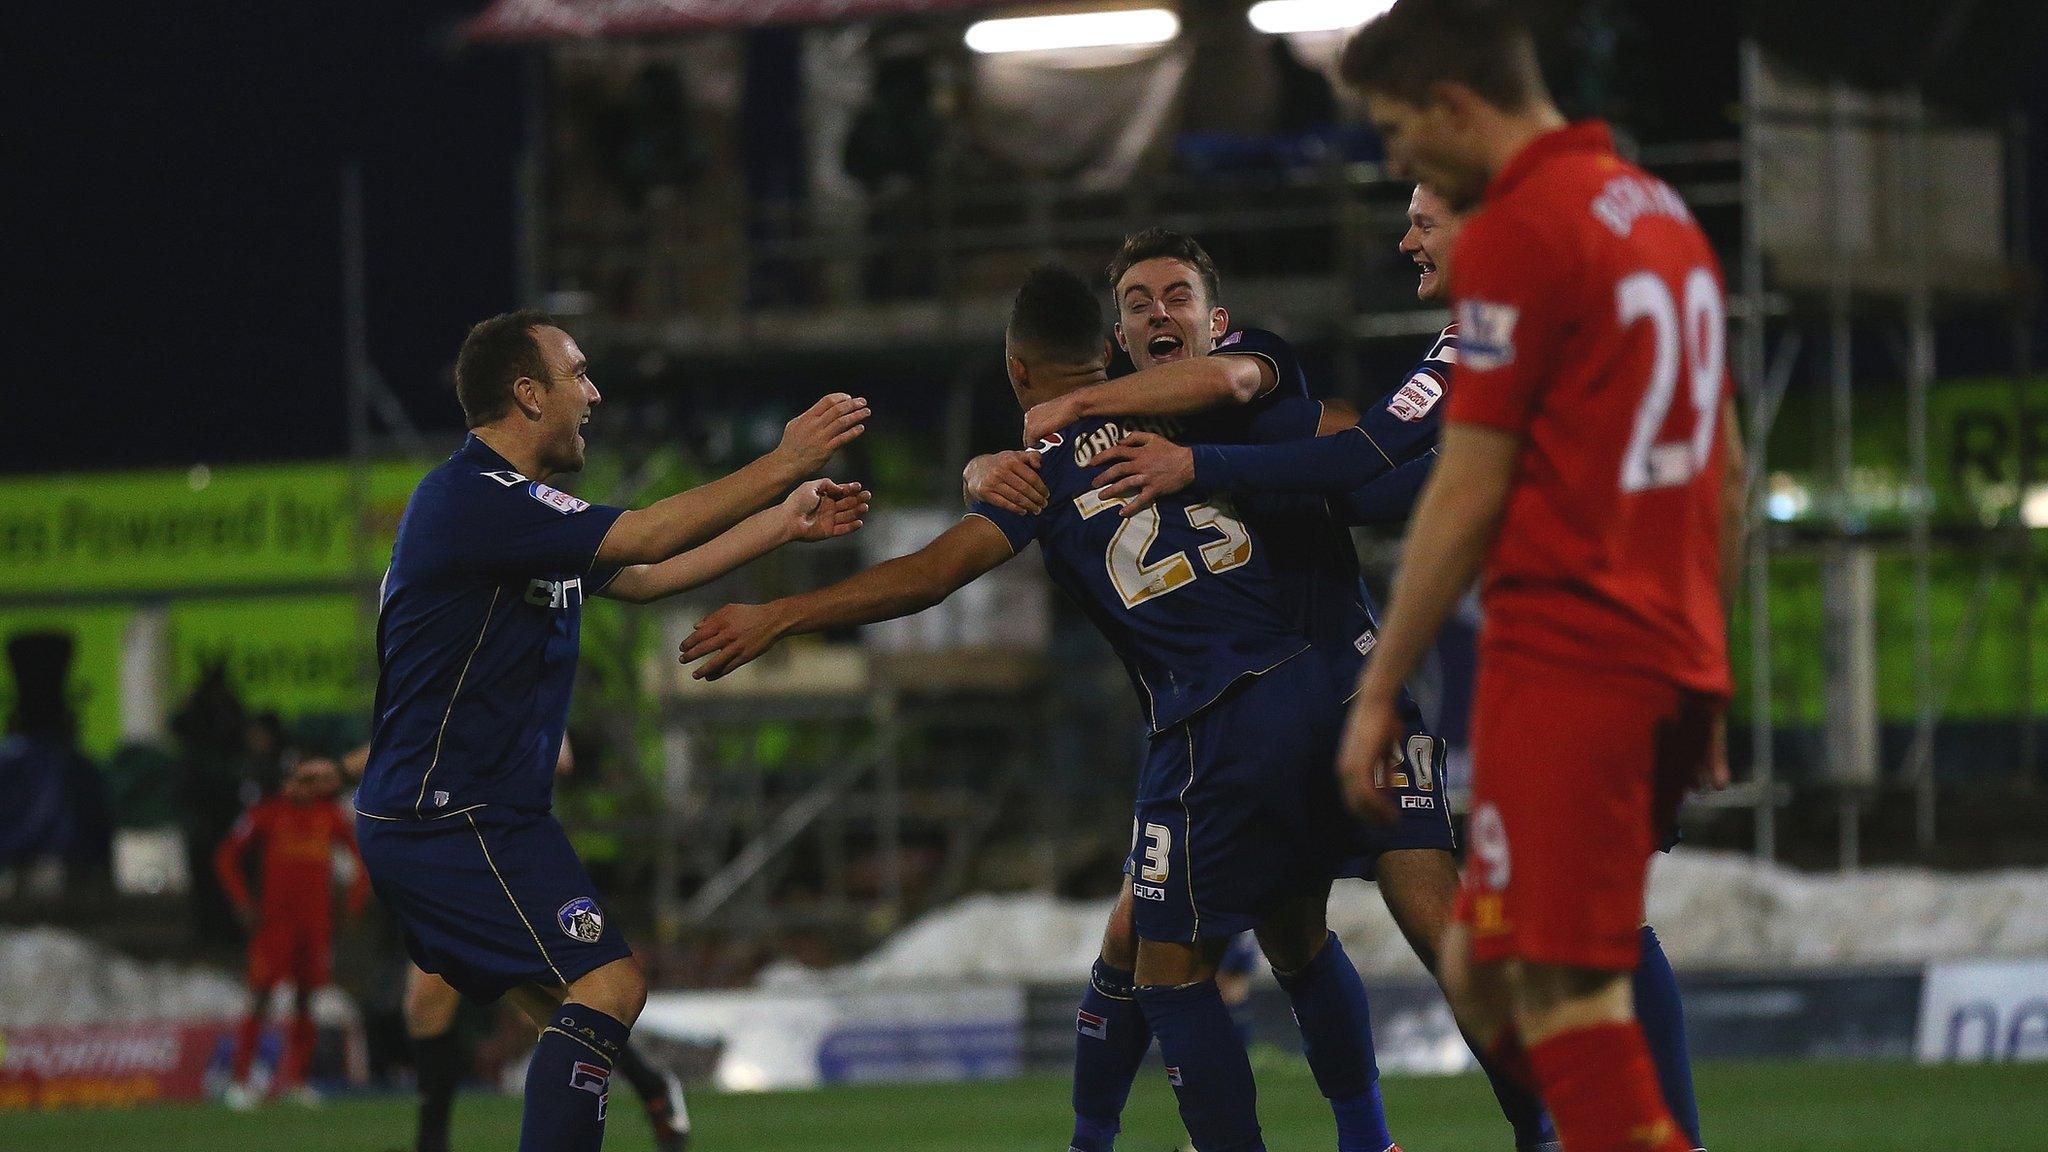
x=1058 y=315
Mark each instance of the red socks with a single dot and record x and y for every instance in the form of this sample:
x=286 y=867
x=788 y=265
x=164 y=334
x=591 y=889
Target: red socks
x=298 y=1052
x=245 y=1045
x=1602 y=1091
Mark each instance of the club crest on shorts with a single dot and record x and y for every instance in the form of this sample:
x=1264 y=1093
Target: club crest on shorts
x=581 y=919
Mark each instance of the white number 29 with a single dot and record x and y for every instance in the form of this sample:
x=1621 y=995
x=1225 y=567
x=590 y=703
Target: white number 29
x=1702 y=338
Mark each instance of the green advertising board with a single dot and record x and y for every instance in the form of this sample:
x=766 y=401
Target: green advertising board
x=258 y=566
x=197 y=529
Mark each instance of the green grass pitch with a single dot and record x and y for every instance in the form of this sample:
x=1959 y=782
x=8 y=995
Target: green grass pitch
x=1749 y=1108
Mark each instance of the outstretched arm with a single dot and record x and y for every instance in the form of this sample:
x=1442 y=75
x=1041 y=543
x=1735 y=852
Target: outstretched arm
x=665 y=528
x=1191 y=385
x=818 y=510
x=1143 y=466
x=737 y=633
x=1391 y=498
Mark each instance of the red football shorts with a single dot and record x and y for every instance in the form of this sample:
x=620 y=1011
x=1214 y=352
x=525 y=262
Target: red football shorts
x=294 y=950
x=1576 y=776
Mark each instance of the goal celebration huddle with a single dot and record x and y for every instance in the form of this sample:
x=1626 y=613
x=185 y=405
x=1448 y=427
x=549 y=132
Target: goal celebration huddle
x=1568 y=444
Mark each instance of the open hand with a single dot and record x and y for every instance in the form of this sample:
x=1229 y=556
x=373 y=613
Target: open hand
x=1364 y=756
x=822 y=509
x=732 y=636
x=1143 y=467
x=1008 y=480
x=810 y=438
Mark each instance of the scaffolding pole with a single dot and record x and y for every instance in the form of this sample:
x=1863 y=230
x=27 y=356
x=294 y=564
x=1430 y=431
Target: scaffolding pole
x=362 y=386
x=1919 y=381
x=1841 y=430
x=2023 y=314
x=1762 y=765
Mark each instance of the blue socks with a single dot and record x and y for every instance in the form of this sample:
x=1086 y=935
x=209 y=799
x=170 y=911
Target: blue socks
x=1110 y=1040
x=1336 y=1036
x=1663 y=1021
x=568 y=1081
x=1210 y=1073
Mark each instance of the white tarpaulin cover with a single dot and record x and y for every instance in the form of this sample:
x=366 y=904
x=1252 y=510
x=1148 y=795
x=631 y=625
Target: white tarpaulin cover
x=50 y=977
x=1714 y=910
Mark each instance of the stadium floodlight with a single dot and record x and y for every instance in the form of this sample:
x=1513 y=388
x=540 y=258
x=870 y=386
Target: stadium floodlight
x=1276 y=17
x=1114 y=29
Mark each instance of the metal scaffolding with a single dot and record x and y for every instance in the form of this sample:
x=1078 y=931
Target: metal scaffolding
x=1880 y=264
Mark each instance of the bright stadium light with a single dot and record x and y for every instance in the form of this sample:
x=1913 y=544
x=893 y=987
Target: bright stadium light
x=1276 y=17
x=2034 y=509
x=1074 y=30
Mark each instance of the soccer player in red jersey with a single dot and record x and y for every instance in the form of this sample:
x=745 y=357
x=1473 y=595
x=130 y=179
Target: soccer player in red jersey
x=292 y=927
x=1590 y=432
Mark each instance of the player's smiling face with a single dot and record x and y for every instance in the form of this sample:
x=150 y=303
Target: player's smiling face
x=566 y=402
x=1164 y=314
x=1432 y=230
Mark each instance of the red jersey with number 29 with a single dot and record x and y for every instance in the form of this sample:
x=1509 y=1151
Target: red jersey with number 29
x=1591 y=325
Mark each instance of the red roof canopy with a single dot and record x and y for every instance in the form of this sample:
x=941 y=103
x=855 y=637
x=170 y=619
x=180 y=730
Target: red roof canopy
x=515 y=20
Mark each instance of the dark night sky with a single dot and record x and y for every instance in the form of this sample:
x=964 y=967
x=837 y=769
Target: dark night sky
x=178 y=236
x=173 y=220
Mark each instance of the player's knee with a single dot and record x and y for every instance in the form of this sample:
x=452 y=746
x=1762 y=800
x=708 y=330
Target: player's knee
x=430 y=1004
x=1553 y=998
x=618 y=990
x=1295 y=933
x=1119 y=937
x=1292 y=949
x=1163 y=963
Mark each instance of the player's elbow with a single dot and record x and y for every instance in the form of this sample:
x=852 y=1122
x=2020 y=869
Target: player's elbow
x=632 y=540
x=931 y=589
x=1241 y=379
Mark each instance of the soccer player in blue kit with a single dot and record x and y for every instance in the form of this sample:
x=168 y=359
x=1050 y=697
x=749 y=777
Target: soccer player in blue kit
x=476 y=647
x=1188 y=359
x=1235 y=826
x=1375 y=478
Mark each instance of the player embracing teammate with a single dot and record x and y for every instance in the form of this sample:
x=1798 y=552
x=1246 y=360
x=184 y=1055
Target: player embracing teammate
x=1589 y=474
